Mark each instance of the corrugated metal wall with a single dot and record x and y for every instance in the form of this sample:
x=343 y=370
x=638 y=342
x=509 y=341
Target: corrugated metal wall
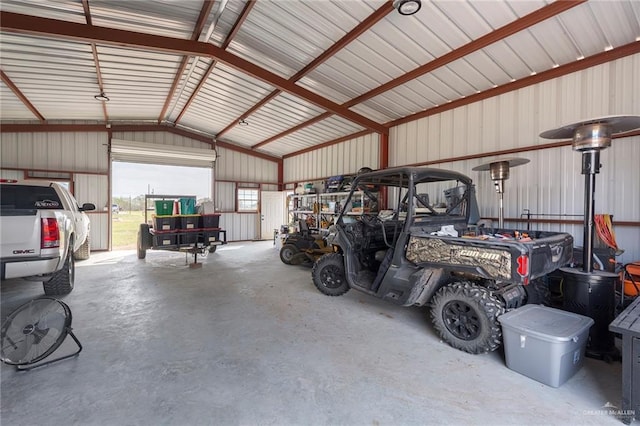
x=552 y=182
x=232 y=167
x=68 y=151
x=88 y=152
x=344 y=158
x=71 y=152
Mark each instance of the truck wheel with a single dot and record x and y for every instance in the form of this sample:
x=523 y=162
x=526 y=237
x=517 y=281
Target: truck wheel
x=84 y=251
x=61 y=282
x=287 y=252
x=466 y=317
x=328 y=275
x=538 y=292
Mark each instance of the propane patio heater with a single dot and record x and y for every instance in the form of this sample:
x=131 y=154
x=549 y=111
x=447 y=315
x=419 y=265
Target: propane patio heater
x=499 y=170
x=591 y=292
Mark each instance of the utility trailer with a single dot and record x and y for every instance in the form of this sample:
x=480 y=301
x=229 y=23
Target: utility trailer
x=428 y=250
x=196 y=234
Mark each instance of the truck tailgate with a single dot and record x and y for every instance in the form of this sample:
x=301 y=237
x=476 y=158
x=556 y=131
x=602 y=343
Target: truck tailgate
x=20 y=236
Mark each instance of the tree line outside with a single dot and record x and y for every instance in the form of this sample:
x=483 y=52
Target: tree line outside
x=137 y=203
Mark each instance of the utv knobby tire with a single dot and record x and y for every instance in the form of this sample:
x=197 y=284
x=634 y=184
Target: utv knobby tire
x=61 y=282
x=538 y=292
x=465 y=315
x=287 y=252
x=328 y=275
x=84 y=252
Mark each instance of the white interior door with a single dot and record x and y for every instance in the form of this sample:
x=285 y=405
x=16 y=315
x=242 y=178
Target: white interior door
x=272 y=212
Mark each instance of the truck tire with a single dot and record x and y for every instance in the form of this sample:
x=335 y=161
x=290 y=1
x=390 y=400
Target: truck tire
x=287 y=252
x=538 y=292
x=328 y=275
x=465 y=315
x=61 y=282
x=84 y=251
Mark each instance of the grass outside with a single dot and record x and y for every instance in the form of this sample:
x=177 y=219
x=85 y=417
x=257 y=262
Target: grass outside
x=124 y=229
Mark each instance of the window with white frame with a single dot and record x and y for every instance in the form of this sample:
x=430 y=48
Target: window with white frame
x=248 y=199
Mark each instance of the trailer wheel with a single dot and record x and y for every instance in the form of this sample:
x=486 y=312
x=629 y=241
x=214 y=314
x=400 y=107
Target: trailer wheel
x=328 y=275
x=287 y=252
x=538 y=292
x=61 y=282
x=466 y=317
x=144 y=240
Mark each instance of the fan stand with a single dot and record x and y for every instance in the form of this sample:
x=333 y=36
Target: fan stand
x=33 y=322
x=499 y=170
x=589 y=292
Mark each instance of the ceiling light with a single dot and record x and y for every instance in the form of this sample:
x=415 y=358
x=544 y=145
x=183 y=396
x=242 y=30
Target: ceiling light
x=101 y=97
x=243 y=122
x=407 y=7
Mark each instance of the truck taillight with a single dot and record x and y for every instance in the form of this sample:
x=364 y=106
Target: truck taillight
x=523 y=267
x=50 y=234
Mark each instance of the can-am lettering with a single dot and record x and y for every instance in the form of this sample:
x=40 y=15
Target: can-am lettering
x=479 y=254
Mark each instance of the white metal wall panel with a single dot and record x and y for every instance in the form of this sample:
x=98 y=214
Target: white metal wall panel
x=11 y=174
x=225 y=196
x=236 y=166
x=163 y=138
x=343 y=158
x=240 y=226
x=552 y=182
x=61 y=151
x=95 y=189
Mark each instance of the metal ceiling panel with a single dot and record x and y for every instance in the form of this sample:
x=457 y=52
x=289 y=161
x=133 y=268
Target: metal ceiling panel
x=561 y=50
x=331 y=128
x=225 y=96
x=162 y=17
x=60 y=77
x=11 y=106
x=50 y=73
x=137 y=82
x=284 y=36
x=66 y=10
x=283 y=112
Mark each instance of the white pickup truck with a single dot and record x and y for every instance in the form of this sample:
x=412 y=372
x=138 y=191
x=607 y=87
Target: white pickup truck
x=43 y=232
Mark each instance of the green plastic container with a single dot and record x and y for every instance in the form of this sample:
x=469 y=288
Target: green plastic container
x=187 y=206
x=164 y=207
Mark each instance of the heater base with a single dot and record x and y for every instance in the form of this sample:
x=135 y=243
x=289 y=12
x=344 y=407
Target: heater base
x=592 y=294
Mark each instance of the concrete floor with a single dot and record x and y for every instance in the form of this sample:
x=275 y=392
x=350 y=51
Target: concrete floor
x=248 y=340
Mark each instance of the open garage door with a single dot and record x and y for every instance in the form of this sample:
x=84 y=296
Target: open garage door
x=153 y=153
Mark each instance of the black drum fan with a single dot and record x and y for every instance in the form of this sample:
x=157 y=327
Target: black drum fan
x=34 y=331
